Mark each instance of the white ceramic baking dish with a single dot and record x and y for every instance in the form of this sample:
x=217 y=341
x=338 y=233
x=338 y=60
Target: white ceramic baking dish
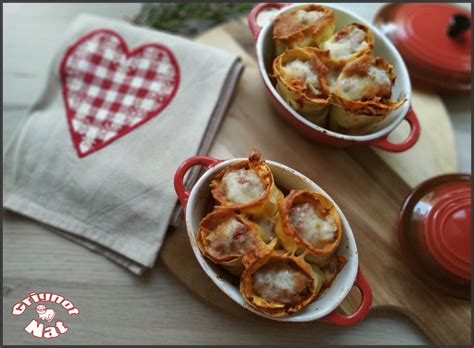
x=195 y=203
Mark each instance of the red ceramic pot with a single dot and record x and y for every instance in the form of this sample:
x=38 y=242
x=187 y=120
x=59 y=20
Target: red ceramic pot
x=383 y=48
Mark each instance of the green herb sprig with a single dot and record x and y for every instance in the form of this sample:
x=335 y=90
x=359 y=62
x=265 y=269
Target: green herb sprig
x=189 y=19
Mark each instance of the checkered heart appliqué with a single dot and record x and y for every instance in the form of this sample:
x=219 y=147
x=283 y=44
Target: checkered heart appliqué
x=108 y=90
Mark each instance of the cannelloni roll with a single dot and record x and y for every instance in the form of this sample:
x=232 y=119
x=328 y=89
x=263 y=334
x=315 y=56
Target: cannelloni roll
x=348 y=43
x=230 y=239
x=301 y=76
x=279 y=284
x=247 y=186
x=308 y=224
x=304 y=26
x=362 y=95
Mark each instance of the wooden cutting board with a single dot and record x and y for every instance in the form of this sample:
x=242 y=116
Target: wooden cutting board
x=368 y=185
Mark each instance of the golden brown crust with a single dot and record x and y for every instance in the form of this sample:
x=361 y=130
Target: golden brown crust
x=288 y=32
x=266 y=204
x=356 y=117
x=302 y=97
x=273 y=308
x=317 y=60
x=287 y=26
x=236 y=261
x=380 y=103
x=290 y=237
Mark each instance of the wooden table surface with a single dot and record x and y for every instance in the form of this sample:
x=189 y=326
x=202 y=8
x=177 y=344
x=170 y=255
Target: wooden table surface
x=116 y=306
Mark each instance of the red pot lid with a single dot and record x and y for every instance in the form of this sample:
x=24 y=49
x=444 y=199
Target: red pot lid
x=434 y=40
x=435 y=231
x=447 y=227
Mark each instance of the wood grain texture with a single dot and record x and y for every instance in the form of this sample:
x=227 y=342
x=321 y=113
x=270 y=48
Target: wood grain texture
x=369 y=188
x=118 y=307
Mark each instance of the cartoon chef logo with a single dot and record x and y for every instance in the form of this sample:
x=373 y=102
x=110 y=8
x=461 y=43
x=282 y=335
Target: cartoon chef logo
x=39 y=326
x=45 y=313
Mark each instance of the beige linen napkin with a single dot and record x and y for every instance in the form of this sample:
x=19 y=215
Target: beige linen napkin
x=120 y=108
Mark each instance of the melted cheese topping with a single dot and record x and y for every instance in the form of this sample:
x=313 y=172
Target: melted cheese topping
x=313 y=228
x=348 y=44
x=230 y=237
x=304 y=74
x=308 y=17
x=242 y=186
x=279 y=282
x=365 y=87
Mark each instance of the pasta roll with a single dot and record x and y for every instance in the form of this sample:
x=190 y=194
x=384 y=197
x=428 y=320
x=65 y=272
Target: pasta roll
x=279 y=283
x=308 y=224
x=348 y=43
x=301 y=76
x=230 y=240
x=304 y=26
x=247 y=186
x=362 y=95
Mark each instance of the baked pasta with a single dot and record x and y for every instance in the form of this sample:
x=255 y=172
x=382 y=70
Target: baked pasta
x=301 y=77
x=279 y=284
x=230 y=239
x=308 y=25
x=362 y=95
x=331 y=79
x=283 y=249
x=348 y=43
x=308 y=224
x=247 y=186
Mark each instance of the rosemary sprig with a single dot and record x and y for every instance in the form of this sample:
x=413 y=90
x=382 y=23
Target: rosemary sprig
x=189 y=19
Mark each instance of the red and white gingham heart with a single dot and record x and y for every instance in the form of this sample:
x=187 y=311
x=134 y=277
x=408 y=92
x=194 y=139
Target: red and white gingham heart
x=109 y=91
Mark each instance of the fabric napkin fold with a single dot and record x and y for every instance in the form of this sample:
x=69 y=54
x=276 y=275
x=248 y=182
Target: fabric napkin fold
x=120 y=108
